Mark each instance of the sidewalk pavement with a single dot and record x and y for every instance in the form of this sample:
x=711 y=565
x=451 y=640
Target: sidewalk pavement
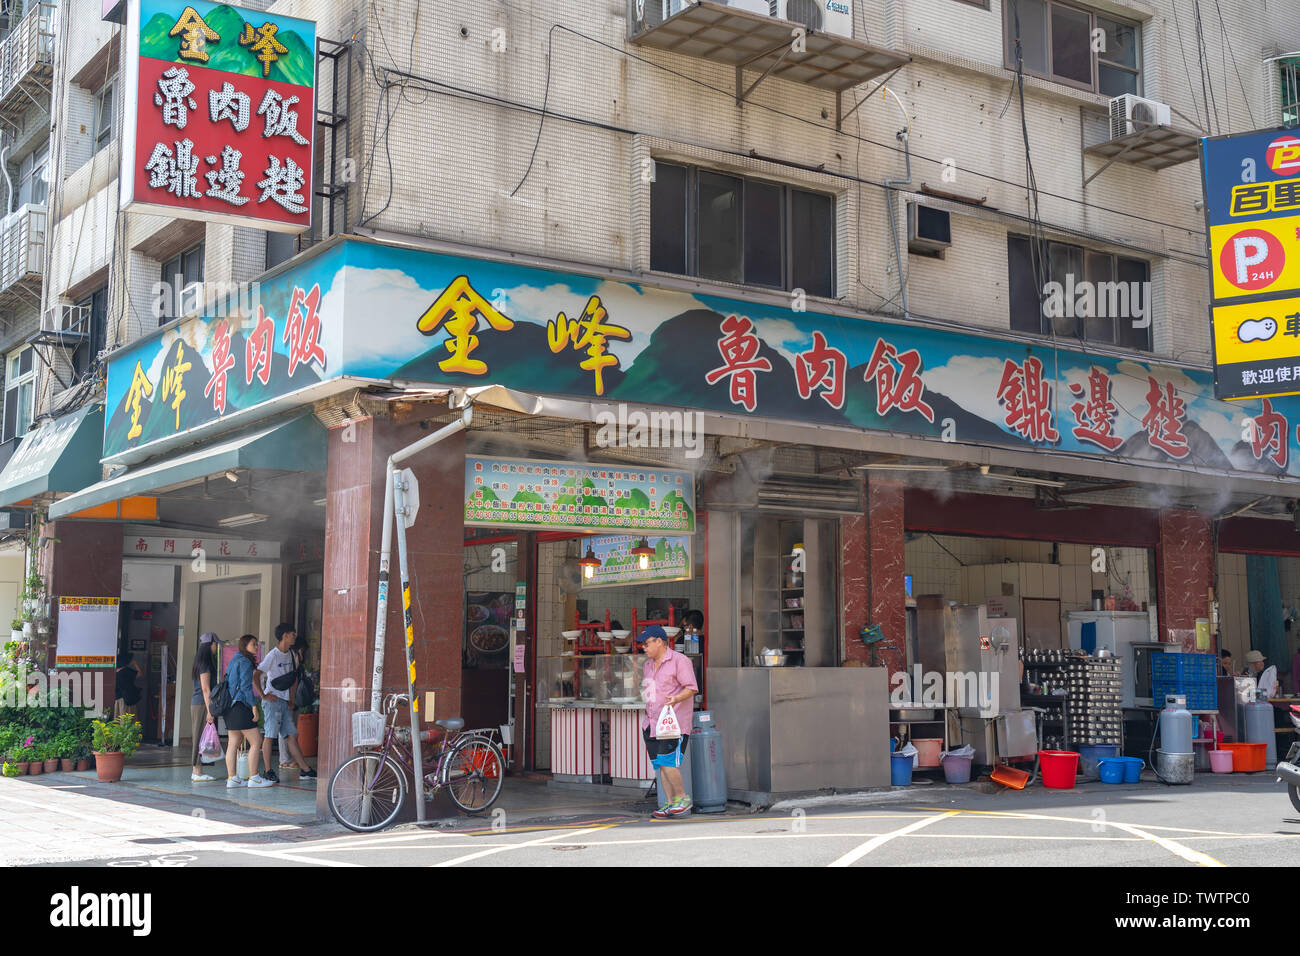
x=156 y=812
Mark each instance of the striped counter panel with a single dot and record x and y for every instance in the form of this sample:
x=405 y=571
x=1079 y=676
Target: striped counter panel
x=575 y=741
x=627 y=755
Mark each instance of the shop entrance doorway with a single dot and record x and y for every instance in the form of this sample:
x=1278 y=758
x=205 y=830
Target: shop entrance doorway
x=231 y=608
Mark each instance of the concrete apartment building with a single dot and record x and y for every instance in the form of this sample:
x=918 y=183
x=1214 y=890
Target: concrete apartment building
x=630 y=142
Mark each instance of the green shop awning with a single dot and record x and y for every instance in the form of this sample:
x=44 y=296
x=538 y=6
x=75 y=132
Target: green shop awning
x=60 y=456
x=295 y=445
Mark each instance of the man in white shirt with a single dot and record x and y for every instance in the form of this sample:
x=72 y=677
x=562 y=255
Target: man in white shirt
x=279 y=664
x=1266 y=681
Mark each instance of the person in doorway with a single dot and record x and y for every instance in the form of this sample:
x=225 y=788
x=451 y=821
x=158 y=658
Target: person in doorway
x=669 y=681
x=241 y=719
x=204 y=676
x=1225 y=663
x=125 y=691
x=279 y=670
x=1266 y=677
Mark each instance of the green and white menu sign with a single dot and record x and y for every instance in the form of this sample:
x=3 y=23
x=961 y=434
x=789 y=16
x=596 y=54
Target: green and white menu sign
x=619 y=566
x=521 y=493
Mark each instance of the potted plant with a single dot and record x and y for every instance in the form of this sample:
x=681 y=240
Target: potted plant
x=12 y=769
x=32 y=753
x=113 y=742
x=16 y=630
x=15 y=764
x=49 y=754
x=82 y=756
x=67 y=744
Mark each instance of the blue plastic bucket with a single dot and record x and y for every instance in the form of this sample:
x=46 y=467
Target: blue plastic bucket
x=1133 y=768
x=1111 y=769
x=956 y=769
x=1090 y=754
x=900 y=770
x=893 y=744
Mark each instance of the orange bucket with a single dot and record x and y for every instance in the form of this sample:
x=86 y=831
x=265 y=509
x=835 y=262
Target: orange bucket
x=1247 y=758
x=928 y=750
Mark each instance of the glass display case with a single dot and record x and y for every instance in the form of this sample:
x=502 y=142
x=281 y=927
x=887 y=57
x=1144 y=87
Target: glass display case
x=611 y=680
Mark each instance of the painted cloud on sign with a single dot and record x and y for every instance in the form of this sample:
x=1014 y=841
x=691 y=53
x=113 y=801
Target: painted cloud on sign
x=1257 y=330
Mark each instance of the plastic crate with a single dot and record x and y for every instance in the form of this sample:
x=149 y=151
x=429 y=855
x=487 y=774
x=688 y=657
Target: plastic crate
x=1198 y=669
x=1199 y=696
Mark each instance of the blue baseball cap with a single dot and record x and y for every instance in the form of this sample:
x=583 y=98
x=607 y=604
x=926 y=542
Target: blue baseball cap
x=654 y=630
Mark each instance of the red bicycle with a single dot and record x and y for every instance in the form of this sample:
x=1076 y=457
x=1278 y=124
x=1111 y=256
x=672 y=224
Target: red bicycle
x=367 y=791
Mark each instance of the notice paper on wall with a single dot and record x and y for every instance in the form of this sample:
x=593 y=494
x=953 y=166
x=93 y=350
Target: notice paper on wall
x=87 y=632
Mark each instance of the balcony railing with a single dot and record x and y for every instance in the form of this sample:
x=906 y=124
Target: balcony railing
x=27 y=62
x=22 y=248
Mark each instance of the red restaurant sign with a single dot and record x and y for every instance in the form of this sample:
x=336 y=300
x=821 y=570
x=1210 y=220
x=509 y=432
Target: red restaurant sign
x=220 y=114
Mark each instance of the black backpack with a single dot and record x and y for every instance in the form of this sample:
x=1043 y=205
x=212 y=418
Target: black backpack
x=306 y=693
x=219 y=700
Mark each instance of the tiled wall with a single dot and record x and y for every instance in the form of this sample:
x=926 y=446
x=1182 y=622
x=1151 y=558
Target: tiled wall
x=1234 y=603
x=971 y=570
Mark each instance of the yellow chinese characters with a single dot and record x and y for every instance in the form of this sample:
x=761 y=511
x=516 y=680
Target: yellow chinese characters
x=459 y=308
x=263 y=43
x=173 y=385
x=140 y=387
x=589 y=331
x=195 y=35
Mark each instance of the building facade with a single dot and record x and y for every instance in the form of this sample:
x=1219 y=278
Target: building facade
x=936 y=291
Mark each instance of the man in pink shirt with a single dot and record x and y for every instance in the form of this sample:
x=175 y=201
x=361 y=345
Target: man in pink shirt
x=669 y=680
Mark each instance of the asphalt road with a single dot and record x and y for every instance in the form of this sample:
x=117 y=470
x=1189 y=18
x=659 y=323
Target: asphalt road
x=1241 y=822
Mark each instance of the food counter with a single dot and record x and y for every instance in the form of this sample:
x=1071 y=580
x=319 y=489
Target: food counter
x=589 y=697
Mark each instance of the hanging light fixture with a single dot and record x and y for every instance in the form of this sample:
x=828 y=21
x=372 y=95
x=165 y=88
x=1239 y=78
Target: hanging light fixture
x=589 y=564
x=643 y=551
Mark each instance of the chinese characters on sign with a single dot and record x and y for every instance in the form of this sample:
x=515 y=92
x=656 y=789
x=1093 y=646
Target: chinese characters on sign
x=542 y=494
x=1027 y=398
x=221 y=105
x=236 y=549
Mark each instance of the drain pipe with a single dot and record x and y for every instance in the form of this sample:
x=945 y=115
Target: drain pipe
x=890 y=185
x=391 y=478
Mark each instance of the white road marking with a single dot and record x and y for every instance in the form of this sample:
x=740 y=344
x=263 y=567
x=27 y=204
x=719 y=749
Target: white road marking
x=848 y=859
x=518 y=846
x=1187 y=853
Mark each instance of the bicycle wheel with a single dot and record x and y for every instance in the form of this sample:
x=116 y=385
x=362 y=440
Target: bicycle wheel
x=361 y=808
x=474 y=774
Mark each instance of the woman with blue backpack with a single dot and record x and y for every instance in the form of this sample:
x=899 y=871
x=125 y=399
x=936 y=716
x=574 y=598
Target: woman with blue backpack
x=241 y=718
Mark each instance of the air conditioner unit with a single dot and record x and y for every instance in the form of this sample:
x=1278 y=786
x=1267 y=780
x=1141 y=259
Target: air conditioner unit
x=928 y=229
x=825 y=16
x=1131 y=114
x=13 y=520
x=190 y=301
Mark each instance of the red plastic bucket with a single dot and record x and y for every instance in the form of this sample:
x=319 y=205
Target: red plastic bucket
x=1059 y=768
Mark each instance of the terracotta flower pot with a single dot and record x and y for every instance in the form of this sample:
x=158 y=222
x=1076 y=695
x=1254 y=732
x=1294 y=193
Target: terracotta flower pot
x=83 y=764
x=307 y=728
x=35 y=767
x=108 y=766
x=67 y=765
x=52 y=766
x=22 y=769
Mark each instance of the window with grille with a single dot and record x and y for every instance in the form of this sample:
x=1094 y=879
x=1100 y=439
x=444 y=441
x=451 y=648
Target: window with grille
x=1290 y=91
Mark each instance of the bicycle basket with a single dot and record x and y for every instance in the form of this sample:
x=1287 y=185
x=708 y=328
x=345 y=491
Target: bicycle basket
x=367 y=729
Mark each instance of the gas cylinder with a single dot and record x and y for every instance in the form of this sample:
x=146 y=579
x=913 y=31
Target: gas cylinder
x=1259 y=729
x=1175 y=762
x=1176 y=726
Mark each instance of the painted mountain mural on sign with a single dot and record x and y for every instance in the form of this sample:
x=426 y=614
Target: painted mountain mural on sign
x=296 y=67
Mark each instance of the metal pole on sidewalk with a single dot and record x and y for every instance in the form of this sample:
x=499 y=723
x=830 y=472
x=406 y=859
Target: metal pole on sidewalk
x=399 y=503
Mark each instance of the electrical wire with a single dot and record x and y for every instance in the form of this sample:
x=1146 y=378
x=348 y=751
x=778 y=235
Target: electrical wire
x=1182 y=46
x=1223 y=30
x=1197 y=231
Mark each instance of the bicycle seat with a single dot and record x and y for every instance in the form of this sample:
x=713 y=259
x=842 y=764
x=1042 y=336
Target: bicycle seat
x=451 y=724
